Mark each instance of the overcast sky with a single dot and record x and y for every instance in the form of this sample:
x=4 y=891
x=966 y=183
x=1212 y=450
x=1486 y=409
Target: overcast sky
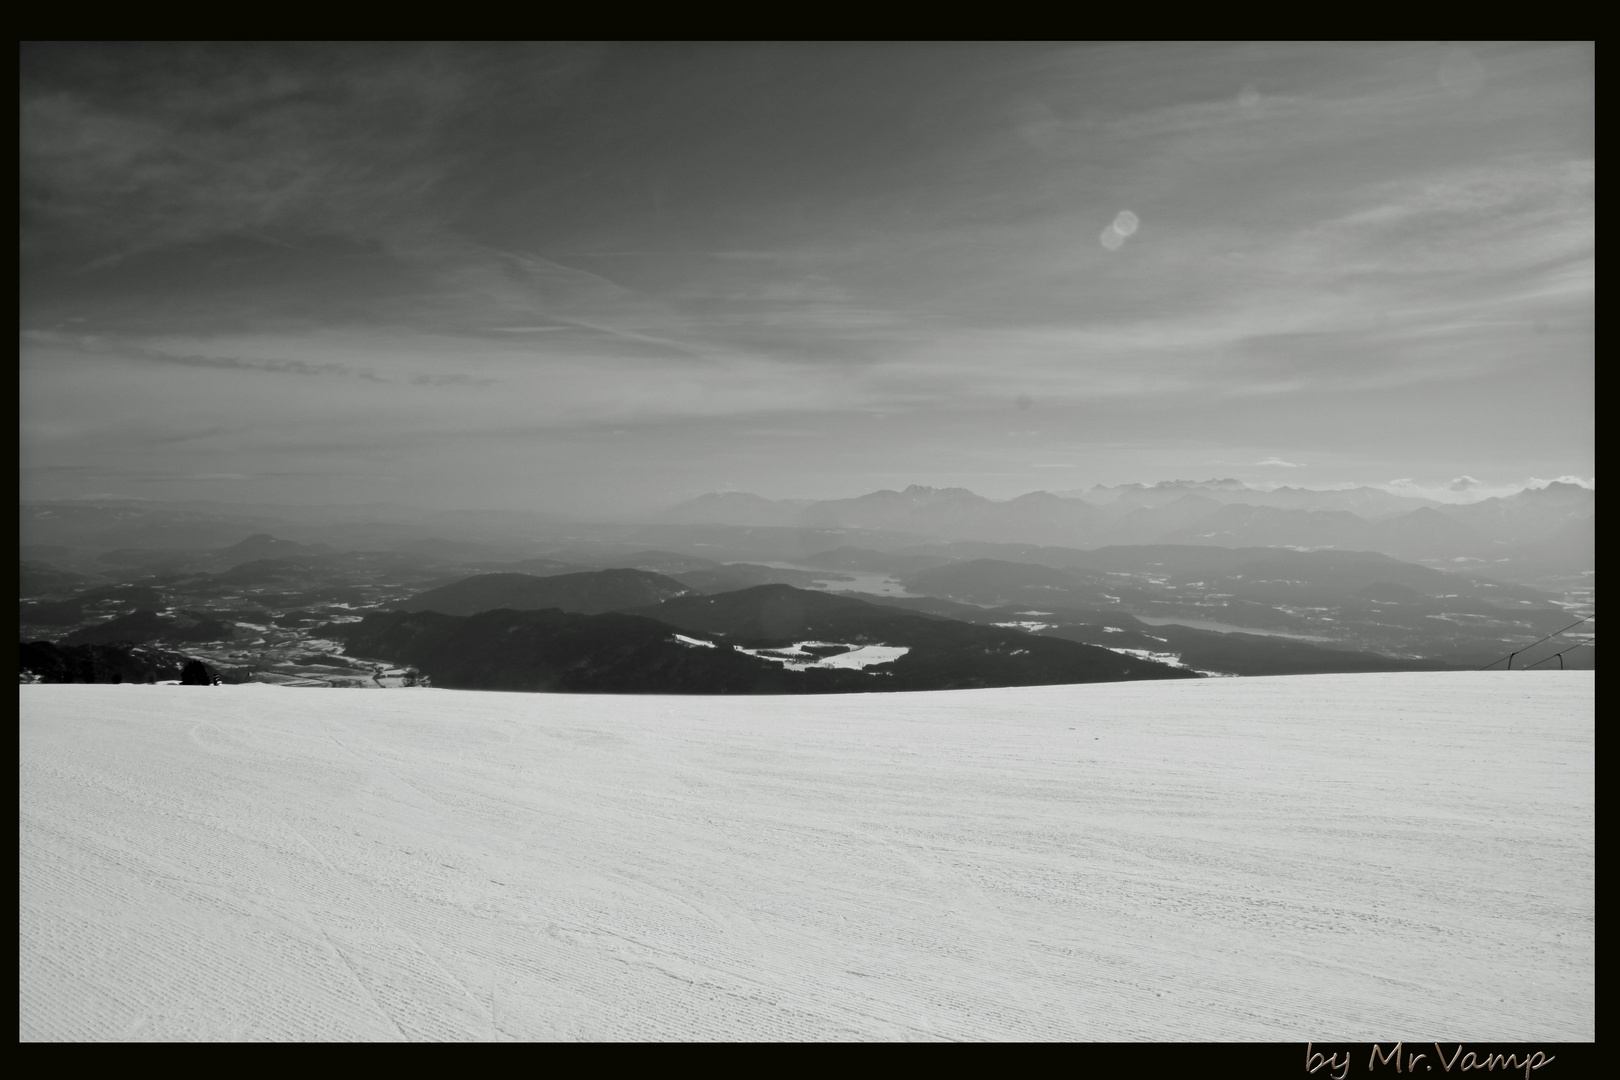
x=591 y=277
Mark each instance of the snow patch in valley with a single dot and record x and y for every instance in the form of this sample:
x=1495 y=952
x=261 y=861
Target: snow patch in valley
x=812 y=654
x=1169 y=658
x=864 y=657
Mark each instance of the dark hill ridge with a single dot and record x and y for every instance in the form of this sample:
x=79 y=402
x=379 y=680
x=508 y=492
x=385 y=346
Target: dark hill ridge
x=944 y=653
x=265 y=546
x=563 y=652
x=43 y=661
x=142 y=626
x=694 y=572
x=43 y=579
x=638 y=652
x=102 y=601
x=732 y=576
x=768 y=616
x=593 y=592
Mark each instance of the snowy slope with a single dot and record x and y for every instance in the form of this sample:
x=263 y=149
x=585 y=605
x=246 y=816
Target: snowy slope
x=1351 y=856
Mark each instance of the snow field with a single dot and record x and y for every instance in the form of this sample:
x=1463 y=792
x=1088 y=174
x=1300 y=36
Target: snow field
x=1324 y=857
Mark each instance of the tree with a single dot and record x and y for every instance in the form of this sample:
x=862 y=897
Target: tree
x=195 y=673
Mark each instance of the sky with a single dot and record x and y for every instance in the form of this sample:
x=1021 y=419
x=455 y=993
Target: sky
x=594 y=279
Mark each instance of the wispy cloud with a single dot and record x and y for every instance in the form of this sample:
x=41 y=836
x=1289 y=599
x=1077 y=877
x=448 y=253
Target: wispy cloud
x=92 y=345
x=86 y=344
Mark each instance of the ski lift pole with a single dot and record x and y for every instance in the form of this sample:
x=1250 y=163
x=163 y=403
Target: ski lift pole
x=1560 y=654
x=1533 y=644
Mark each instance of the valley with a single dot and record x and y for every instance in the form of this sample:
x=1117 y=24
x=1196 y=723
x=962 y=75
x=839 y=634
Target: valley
x=287 y=606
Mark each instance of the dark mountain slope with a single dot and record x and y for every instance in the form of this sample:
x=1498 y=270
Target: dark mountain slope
x=45 y=662
x=562 y=652
x=944 y=653
x=264 y=546
x=591 y=593
x=632 y=653
x=730 y=577
x=143 y=626
x=43 y=579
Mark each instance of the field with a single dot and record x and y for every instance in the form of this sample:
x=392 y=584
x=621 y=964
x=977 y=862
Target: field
x=1344 y=856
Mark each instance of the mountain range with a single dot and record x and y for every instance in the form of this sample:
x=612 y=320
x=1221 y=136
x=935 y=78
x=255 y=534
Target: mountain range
x=1538 y=531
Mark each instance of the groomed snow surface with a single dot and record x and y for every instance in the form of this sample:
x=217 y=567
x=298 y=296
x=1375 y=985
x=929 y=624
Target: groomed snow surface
x=1310 y=858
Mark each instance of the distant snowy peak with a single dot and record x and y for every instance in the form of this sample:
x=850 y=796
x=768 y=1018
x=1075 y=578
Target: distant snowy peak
x=1101 y=493
x=1559 y=490
x=919 y=491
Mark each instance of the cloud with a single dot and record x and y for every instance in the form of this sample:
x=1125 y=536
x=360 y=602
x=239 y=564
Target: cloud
x=1589 y=482
x=1463 y=483
x=151 y=145
x=1280 y=463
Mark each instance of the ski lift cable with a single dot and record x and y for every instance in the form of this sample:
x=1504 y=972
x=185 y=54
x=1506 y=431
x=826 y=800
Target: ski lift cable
x=1561 y=652
x=1509 y=657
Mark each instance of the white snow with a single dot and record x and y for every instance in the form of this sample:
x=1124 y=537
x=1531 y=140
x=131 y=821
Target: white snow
x=863 y=657
x=696 y=643
x=1168 y=658
x=1353 y=856
x=796 y=657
